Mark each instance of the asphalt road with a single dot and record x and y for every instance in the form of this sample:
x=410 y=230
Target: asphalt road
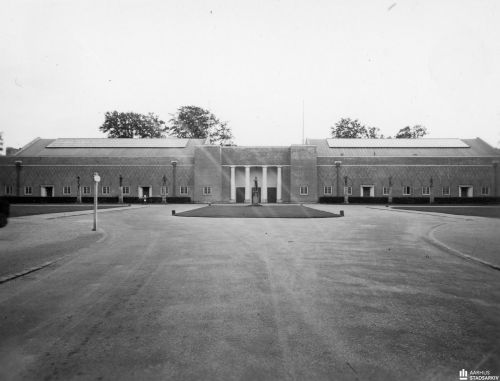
x=162 y=297
x=491 y=211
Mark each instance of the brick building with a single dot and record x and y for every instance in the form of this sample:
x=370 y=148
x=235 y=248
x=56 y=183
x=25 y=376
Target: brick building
x=399 y=170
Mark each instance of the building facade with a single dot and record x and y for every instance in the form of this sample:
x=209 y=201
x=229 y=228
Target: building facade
x=320 y=170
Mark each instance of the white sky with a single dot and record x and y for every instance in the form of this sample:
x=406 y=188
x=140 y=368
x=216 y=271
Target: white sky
x=63 y=64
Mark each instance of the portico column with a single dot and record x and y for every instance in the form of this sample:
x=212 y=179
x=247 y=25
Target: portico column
x=233 y=184
x=264 y=184
x=278 y=186
x=247 y=183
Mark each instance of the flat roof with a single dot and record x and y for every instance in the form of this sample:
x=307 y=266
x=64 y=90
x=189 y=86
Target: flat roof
x=118 y=143
x=396 y=143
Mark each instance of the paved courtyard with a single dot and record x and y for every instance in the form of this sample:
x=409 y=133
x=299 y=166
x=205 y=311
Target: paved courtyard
x=379 y=294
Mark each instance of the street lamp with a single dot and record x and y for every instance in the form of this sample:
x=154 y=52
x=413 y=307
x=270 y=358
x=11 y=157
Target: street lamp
x=96 y=179
x=337 y=180
x=174 y=174
x=78 y=190
x=120 y=198
x=346 y=196
x=164 y=190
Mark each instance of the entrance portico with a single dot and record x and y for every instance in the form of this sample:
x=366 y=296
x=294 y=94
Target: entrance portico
x=268 y=177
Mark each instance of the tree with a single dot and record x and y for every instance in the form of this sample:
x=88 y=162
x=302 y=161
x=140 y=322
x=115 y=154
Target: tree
x=414 y=132
x=347 y=128
x=11 y=151
x=196 y=122
x=132 y=125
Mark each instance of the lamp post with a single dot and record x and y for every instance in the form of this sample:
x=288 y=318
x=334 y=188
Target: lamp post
x=174 y=174
x=78 y=190
x=431 y=193
x=346 y=196
x=337 y=180
x=19 y=165
x=390 y=190
x=164 y=190
x=97 y=179
x=120 y=197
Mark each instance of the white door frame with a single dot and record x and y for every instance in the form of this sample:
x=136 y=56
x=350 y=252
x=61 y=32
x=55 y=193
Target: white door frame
x=372 y=189
x=140 y=190
x=470 y=191
x=43 y=191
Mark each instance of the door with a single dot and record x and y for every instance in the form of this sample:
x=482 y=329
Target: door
x=144 y=191
x=271 y=195
x=47 y=191
x=366 y=191
x=464 y=191
x=240 y=194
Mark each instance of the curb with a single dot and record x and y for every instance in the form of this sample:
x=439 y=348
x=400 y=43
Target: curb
x=30 y=270
x=432 y=214
x=434 y=241
x=53 y=216
x=27 y=271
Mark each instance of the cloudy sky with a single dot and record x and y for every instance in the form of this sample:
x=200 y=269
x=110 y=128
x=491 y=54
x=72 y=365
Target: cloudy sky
x=63 y=64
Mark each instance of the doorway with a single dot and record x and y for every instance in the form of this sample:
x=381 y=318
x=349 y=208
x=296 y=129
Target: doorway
x=47 y=191
x=367 y=191
x=465 y=191
x=271 y=195
x=240 y=195
x=145 y=191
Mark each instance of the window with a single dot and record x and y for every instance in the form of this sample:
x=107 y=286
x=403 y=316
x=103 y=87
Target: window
x=385 y=191
x=164 y=190
x=348 y=191
x=426 y=191
x=304 y=190
x=105 y=190
x=446 y=191
x=184 y=190
x=126 y=190
x=86 y=190
x=406 y=190
x=9 y=189
x=66 y=190
x=207 y=190
x=28 y=190
x=328 y=190
x=485 y=191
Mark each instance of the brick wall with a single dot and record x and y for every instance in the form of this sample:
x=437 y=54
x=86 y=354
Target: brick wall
x=303 y=172
x=61 y=172
x=414 y=176
x=207 y=173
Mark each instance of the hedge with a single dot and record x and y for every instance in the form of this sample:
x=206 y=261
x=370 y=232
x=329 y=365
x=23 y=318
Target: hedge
x=467 y=200
x=368 y=200
x=411 y=200
x=90 y=200
x=331 y=200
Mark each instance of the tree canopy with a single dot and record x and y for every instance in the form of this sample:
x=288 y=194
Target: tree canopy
x=196 y=122
x=414 y=132
x=347 y=128
x=133 y=125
